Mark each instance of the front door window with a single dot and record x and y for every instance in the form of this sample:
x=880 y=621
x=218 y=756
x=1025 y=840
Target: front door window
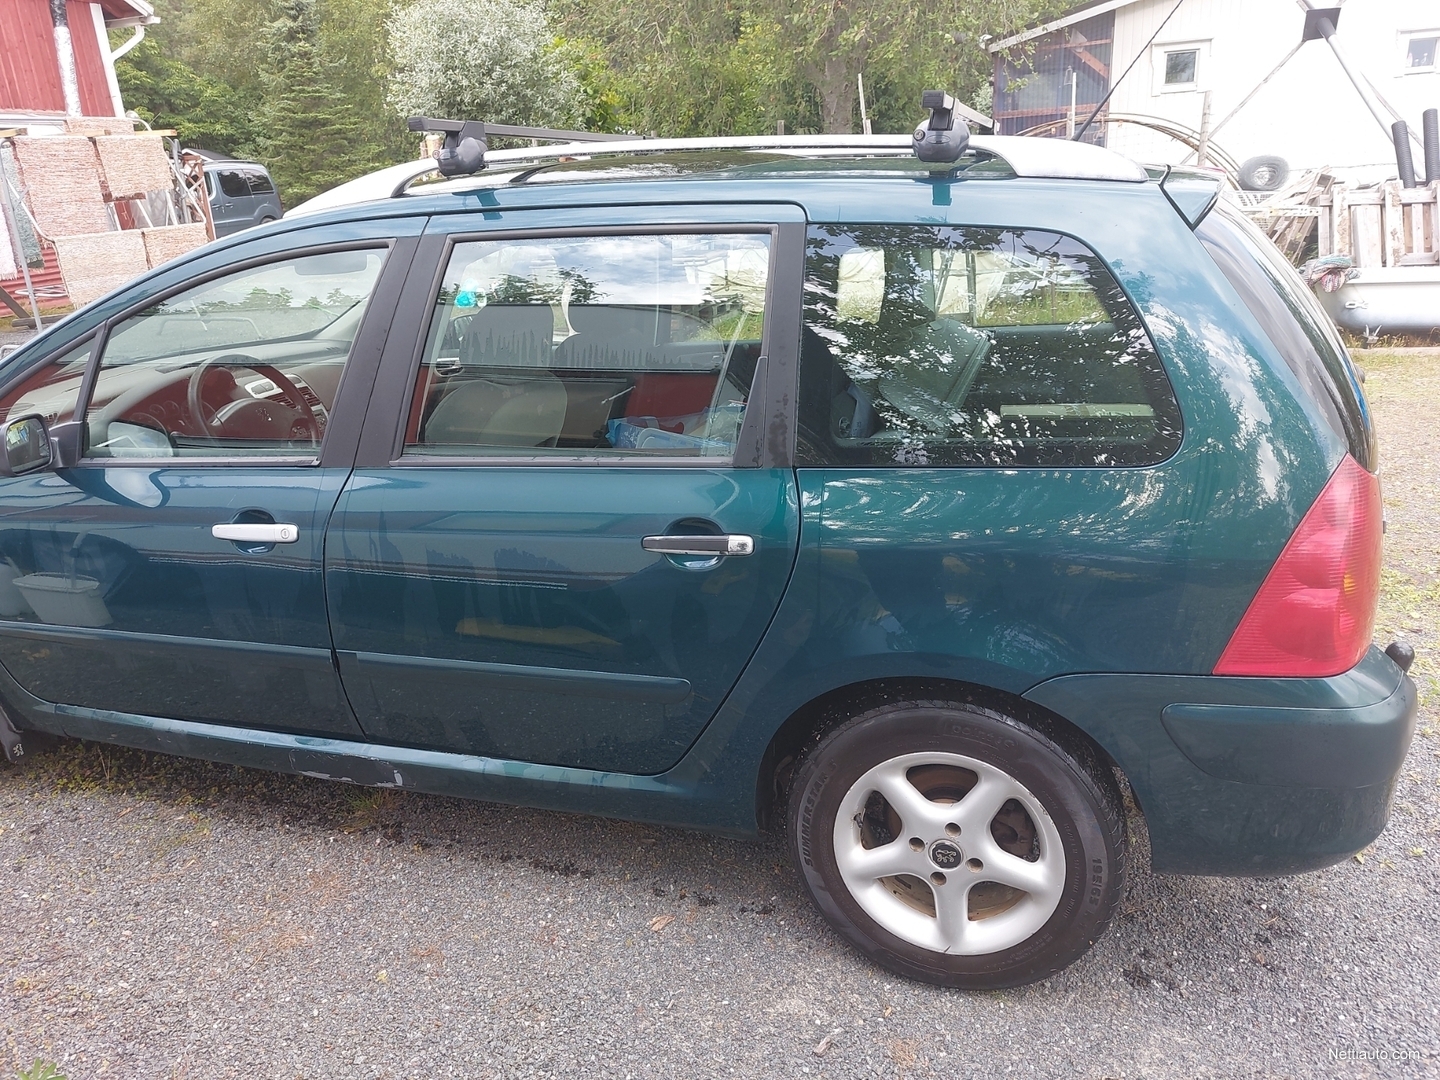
x=246 y=365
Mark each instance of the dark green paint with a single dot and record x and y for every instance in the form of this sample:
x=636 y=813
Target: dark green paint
x=198 y=629
x=512 y=612
x=1273 y=822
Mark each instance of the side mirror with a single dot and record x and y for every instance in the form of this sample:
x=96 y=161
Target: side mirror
x=27 y=445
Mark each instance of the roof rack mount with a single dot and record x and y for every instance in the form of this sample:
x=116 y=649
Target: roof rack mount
x=467 y=141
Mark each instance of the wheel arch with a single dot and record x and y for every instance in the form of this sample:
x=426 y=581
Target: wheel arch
x=806 y=725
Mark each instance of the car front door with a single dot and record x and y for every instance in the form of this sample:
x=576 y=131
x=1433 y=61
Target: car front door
x=173 y=567
x=564 y=539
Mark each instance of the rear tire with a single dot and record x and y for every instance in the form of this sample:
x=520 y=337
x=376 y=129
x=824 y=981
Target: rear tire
x=955 y=845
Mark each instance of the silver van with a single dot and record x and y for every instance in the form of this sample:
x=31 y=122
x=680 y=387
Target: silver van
x=241 y=194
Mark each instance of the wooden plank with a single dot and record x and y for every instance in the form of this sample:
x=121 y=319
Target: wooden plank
x=1392 y=226
x=1414 y=228
x=1340 y=223
x=1366 y=235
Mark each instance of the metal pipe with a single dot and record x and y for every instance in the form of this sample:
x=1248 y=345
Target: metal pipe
x=129 y=43
x=1327 y=31
x=1430 y=121
x=65 y=56
x=1246 y=99
x=1394 y=113
x=1404 y=163
x=13 y=224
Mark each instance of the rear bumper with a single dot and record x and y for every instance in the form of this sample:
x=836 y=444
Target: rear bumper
x=1250 y=776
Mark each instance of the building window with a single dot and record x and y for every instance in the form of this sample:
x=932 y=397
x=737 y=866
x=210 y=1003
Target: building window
x=1180 y=67
x=1420 y=51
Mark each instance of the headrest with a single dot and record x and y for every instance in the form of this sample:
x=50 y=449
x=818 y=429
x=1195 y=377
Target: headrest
x=614 y=322
x=509 y=334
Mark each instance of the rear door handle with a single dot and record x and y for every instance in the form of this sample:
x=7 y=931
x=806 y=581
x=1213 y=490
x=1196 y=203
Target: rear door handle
x=279 y=533
x=725 y=544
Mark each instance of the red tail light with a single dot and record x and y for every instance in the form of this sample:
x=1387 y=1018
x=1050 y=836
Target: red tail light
x=1315 y=612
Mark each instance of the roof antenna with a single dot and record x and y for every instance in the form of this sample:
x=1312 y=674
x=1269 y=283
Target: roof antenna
x=944 y=136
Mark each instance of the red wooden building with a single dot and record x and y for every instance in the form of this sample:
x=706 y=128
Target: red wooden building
x=34 y=74
x=40 y=86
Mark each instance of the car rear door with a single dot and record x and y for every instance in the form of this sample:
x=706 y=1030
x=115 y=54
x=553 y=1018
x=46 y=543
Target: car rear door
x=171 y=566
x=565 y=536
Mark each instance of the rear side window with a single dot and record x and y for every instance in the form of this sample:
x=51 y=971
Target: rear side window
x=259 y=183
x=1295 y=323
x=974 y=347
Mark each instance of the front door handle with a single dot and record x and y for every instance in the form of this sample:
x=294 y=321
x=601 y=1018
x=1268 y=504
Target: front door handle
x=258 y=533
x=725 y=544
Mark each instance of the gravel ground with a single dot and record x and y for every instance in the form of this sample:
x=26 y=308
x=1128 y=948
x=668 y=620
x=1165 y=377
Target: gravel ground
x=9 y=336
x=172 y=918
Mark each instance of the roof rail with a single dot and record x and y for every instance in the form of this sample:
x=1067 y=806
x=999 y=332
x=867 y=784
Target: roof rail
x=466 y=141
x=1026 y=157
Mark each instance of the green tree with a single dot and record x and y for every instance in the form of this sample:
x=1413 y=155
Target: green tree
x=206 y=112
x=309 y=131
x=481 y=59
x=692 y=67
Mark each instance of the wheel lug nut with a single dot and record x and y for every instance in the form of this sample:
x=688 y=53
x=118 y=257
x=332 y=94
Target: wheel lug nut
x=975 y=865
x=952 y=829
x=916 y=844
x=937 y=878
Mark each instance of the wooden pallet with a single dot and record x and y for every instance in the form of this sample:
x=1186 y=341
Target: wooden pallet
x=1388 y=225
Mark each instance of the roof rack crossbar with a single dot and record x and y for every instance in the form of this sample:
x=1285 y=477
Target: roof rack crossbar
x=467 y=141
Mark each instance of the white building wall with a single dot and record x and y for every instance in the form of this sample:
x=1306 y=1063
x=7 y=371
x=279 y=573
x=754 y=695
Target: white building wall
x=1308 y=114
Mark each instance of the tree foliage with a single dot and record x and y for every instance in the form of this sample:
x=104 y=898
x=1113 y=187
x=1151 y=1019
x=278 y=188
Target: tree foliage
x=319 y=88
x=690 y=67
x=487 y=59
x=206 y=112
x=297 y=84
x=308 y=129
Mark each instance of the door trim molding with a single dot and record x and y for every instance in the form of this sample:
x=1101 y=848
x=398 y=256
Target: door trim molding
x=614 y=686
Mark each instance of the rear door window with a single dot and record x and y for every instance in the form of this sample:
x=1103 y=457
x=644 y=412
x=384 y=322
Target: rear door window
x=974 y=346
x=233 y=184
x=1295 y=323
x=606 y=346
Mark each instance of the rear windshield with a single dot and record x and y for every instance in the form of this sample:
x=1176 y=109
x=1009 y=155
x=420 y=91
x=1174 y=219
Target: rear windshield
x=1296 y=324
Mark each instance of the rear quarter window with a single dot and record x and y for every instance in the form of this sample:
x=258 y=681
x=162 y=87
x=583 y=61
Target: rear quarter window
x=1295 y=324
x=974 y=347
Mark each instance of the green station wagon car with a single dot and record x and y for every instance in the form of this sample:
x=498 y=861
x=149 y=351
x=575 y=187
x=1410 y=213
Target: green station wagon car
x=915 y=508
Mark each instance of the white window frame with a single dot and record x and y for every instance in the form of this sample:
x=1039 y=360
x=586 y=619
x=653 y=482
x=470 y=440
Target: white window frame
x=1158 y=53
x=1406 y=37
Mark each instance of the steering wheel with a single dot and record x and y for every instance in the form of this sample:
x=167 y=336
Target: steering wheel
x=247 y=406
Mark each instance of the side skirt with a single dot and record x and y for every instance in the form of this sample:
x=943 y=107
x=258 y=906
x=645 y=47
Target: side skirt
x=652 y=799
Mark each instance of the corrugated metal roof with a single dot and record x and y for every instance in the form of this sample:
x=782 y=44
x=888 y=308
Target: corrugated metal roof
x=49 y=285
